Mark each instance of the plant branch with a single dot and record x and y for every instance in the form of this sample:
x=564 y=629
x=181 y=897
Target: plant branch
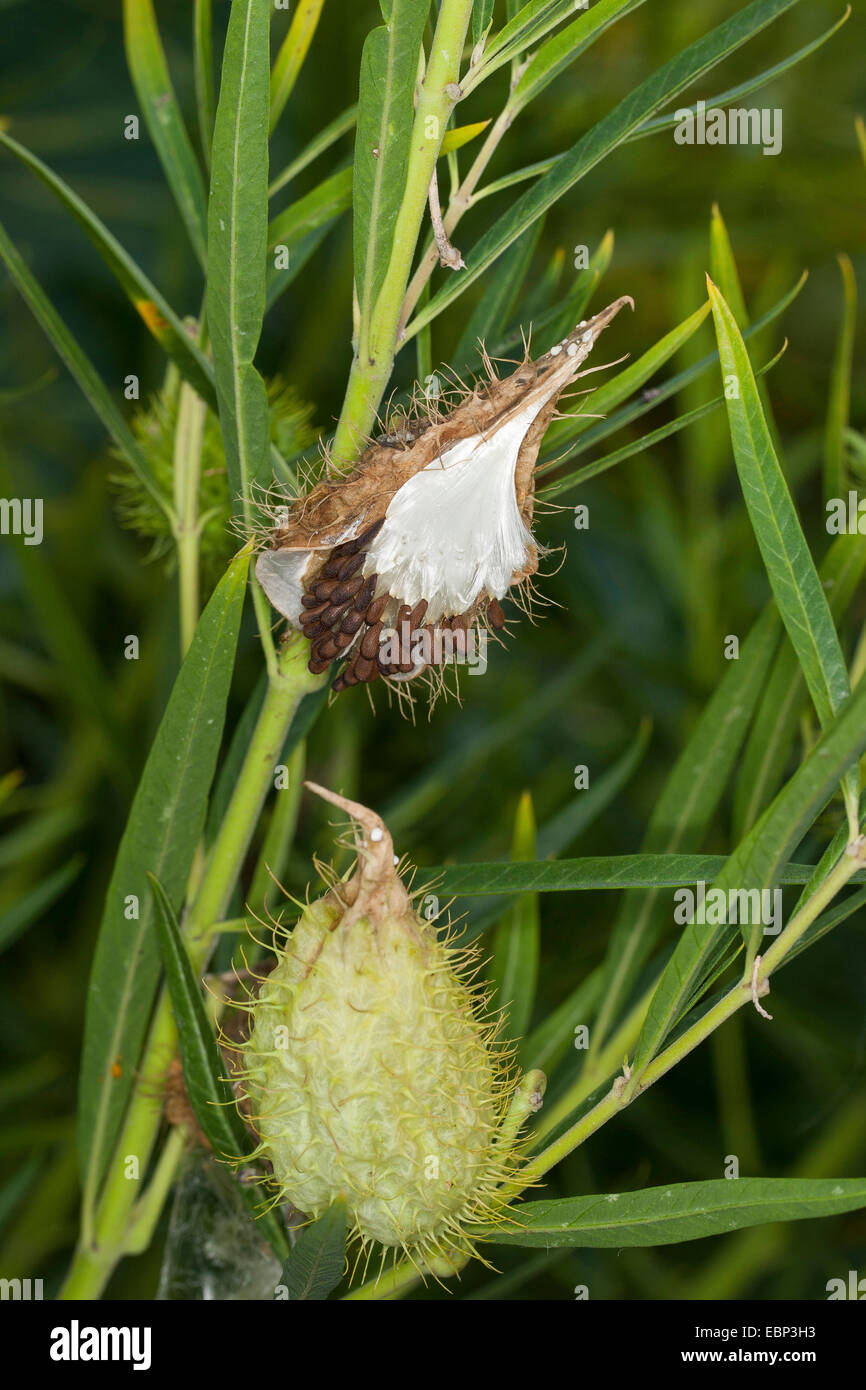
x=377 y=341
x=114 y=1223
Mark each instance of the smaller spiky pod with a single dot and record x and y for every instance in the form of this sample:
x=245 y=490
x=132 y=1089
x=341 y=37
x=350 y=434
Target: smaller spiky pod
x=401 y=562
x=373 y=1072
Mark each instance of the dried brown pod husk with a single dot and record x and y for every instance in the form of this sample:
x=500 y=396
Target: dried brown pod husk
x=434 y=521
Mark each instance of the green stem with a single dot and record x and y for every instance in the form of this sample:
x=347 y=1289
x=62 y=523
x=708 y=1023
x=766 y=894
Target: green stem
x=377 y=344
x=280 y=833
x=188 y=437
x=741 y=994
x=598 y=1066
x=113 y=1225
x=149 y=1208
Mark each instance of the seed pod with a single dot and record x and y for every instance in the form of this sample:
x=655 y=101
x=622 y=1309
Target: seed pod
x=453 y=508
x=373 y=1070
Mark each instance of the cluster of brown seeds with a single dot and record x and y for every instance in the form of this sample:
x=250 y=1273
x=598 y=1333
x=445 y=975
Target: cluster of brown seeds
x=340 y=610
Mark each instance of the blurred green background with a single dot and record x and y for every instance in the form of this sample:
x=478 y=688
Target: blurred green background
x=644 y=600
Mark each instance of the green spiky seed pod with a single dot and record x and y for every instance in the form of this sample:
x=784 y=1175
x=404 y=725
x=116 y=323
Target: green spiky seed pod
x=373 y=1071
x=154 y=427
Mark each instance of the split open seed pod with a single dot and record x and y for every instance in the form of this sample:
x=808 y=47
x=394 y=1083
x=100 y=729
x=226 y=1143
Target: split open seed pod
x=428 y=531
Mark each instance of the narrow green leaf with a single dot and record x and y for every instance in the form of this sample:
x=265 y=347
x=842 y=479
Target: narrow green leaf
x=490 y=315
x=586 y=806
x=517 y=939
x=80 y=366
x=156 y=313
x=326 y=137
x=316 y=1264
x=459 y=762
x=559 y=52
x=759 y=861
x=202 y=25
x=526 y=26
x=293 y=51
x=839 y=404
x=150 y=77
x=389 y=67
x=29 y=908
x=554 y=1037
x=777 y=721
x=617 y=870
x=299 y=228
x=210 y=1093
x=552 y=329
x=654 y=396
x=637 y=446
x=675 y=75
x=685 y=807
x=790 y=568
x=723 y=268
x=742 y=89
x=482 y=18
x=461 y=135
x=681 y=1211
x=626 y=382
x=563 y=828
x=163 y=829
x=237 y=242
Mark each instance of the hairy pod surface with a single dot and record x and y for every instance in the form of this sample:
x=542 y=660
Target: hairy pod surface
x=373 y=1071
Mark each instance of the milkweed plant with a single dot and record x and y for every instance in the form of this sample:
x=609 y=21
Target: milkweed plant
x=354 y=1066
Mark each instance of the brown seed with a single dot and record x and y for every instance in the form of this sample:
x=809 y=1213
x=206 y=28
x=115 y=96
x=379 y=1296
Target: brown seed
x=343 y=640
x=312 y=615
x=332 y=613
x=365 y=670
x=323 y=588
x=365 y=594
x=314 y=630
x=310 y=601
x=460 y=623
x=495 y=615
x=361 y=542
x=338 y=685
x=417 y=614
x=346 y=567
x=331 y=569
x=349 y=676
x=326 y=649
x=352 y=621
x=343 y=592
x=318 y=665
x=370 y=641
x=377 y=608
